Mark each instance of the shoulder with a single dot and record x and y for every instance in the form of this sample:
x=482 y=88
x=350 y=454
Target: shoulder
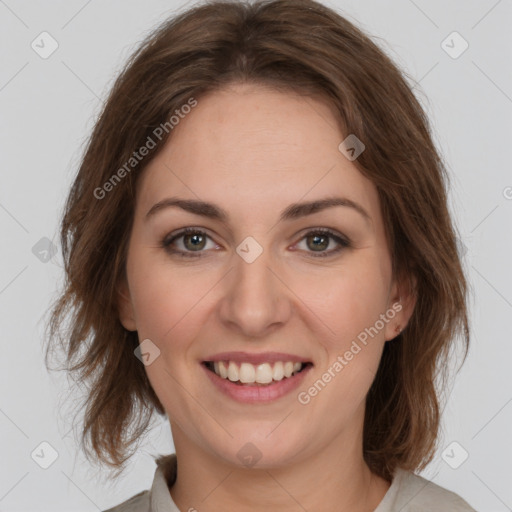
x=137 y=503
x=158 y=494
x=417 y=494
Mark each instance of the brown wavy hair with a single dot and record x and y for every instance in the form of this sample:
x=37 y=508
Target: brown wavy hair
x=289 y=45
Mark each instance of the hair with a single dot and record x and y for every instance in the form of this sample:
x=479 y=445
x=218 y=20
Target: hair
x=292 y=46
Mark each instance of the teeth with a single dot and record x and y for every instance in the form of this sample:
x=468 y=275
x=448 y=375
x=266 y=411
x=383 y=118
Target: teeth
x=233 y=372
x=248 y=373
x=223 y=371
x=263 y=373
x=278 y=371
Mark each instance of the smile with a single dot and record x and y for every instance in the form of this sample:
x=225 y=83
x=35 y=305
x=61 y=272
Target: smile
x=263 y=374
x=256 y=384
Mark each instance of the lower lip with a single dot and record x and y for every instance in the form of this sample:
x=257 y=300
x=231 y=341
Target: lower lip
x=257 y=394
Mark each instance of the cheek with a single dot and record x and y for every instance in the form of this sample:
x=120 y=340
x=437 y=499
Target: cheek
x=353 y=352
x=168 y=310
x=169 y=302
x=161 y=307
x=155 y=305
x=156 y=302
x=355 y=314
x=350 y=299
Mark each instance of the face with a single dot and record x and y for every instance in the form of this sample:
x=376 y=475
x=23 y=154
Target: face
x=267 y=283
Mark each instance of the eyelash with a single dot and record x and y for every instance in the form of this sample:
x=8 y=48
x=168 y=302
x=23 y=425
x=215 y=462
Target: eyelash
x=166 y=242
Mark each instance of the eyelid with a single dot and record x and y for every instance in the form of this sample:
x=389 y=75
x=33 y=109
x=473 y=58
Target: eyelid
x=172 y=237
x=343 y=241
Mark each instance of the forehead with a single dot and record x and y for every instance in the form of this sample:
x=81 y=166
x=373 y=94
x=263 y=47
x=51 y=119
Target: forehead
x=257 y=146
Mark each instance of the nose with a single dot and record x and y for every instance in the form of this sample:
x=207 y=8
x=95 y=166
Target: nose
x=255 y=300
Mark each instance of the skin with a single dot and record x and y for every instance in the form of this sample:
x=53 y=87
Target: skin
x=253 y=151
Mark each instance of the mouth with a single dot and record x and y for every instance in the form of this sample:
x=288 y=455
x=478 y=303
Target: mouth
x=260 y=375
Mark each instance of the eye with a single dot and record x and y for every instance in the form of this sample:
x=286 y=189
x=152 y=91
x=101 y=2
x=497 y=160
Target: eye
x=319 y=240
x=193 y=241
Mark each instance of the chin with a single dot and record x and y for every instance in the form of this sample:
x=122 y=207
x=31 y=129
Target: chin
x=259 y=452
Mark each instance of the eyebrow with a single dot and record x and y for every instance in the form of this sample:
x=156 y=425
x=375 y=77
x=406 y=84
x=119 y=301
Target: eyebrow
x=292 y=212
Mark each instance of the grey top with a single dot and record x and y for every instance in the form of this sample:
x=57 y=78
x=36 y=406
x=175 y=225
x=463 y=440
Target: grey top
x=408 y=493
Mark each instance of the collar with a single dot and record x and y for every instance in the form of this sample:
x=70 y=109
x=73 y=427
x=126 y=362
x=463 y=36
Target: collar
x=166 y=471
x=165 y=476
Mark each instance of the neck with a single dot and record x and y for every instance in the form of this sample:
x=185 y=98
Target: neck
x=332 y=478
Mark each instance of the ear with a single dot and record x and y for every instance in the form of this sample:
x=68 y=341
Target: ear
x=402 y=301
x=125 y=306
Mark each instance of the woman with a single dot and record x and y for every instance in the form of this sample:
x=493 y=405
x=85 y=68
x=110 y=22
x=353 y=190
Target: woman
x=258 y=246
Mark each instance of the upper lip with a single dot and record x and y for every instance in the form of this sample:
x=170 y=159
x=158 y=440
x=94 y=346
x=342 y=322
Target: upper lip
x=253 y=358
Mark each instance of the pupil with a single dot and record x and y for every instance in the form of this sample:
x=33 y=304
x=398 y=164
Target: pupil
x=320 y=237
x=195 y=238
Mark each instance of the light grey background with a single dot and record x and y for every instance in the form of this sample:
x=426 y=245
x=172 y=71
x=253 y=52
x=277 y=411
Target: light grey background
x=48 y=107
